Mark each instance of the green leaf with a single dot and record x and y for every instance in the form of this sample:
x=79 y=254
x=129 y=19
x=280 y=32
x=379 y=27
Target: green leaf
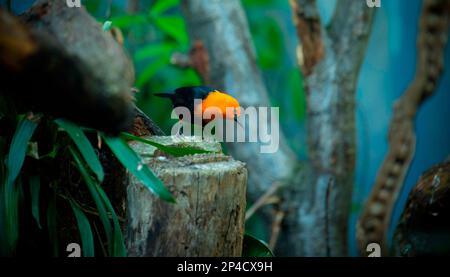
x=162 y=6
x=87 y=239
x=189 y=78
x=35 y=186
x=102 y=245
x=85 y=147
x=151 y=70
x=253 y=247
x=92 y=187
x=126 y=21
x=298 y=95
x=154 y=50
x=138 y=168
x=174 y=27
x=176 y=151
x=18 y=149
x=107 y=26
x=258 y=3
x=269 y=43
x=119 y=249
x=14 y=162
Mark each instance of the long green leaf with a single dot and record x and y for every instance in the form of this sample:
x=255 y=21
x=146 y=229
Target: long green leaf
x=174 y=27
x=151 y=70
x=253 y=247
x=119 y=249
x=87 y=239
x=126 y=21
x=126 y=155
x=35 y=186
x=85 y=147
x=18 y=149
x=172 y=150
x=14 y=162
x=98 y=201
x=154 y=50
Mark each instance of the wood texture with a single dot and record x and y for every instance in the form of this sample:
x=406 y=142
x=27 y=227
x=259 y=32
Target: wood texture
x=208 y=218
x=330 y=63
x=223 y=29
x=424 y=228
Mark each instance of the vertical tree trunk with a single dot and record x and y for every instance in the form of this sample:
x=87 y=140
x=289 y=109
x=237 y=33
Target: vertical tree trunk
x=223 y=29
x=316 y=197
x=330 y=65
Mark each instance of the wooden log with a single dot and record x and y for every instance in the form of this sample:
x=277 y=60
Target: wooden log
x=208 y=217
x=424 y=226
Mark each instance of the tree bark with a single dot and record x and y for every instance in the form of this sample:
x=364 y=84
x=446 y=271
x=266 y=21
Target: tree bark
x=424 y=228
x=223 y=29
x=331 y=63
x=208 y=218
x=316 y=198
x=221 y=26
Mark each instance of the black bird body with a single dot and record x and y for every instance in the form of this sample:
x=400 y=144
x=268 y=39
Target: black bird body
x=184 y=96
x=222 y=103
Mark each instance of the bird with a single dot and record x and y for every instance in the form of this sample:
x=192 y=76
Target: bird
x=210 y=98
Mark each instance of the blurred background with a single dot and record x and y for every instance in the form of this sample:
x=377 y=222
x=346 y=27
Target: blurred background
x=154 y=30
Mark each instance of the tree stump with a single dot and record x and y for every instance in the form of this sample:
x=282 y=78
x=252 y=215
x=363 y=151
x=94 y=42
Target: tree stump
x=208 y=217
x=424 y=227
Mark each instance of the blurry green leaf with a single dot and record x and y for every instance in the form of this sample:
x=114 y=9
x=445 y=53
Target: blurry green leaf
x=14 y=162
x=18 y=148
x=92 y=186
x=174 y=27
x=107 y=26
x=93 y=6
x=126 y=21
x=177 y=151
x=100 y=241
x=151 y=70
x=119 y=249
x=253 y=247
x=35 y=187
x=87 y=240
x=154 y=50
x=52 y=224
x=256 y=226
x=131 y=161
x=269 y=43
x=85 y=147
x=189 y=78
x=258 y=3
x=162 y=6
x=298 y=95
